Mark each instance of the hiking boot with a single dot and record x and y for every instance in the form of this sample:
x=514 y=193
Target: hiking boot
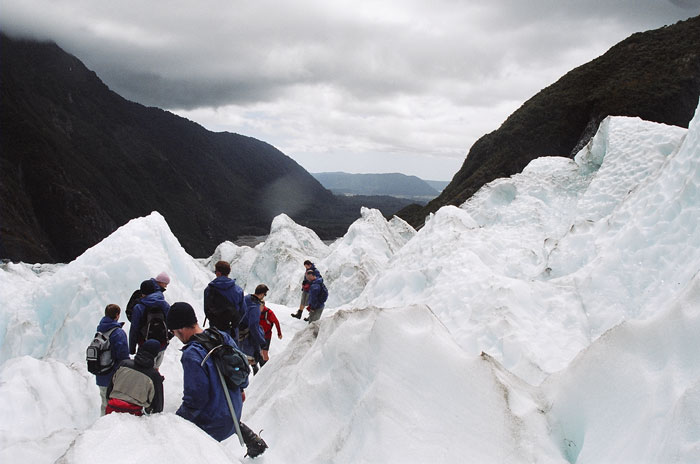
x=297 y=314
x=255 y=445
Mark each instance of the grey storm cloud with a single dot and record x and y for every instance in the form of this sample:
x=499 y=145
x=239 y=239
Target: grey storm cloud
x=435 y=74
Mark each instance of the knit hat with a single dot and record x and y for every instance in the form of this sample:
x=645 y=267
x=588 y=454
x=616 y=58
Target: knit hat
x=163 y=278
x=181 y=315
x=151 y=346
x=148 y=287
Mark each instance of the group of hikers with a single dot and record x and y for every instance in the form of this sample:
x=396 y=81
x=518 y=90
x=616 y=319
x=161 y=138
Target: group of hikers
x=216 y=361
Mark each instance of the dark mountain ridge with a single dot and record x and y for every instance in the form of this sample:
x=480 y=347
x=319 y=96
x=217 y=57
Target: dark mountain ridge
x=654 y=75
x=77 y=161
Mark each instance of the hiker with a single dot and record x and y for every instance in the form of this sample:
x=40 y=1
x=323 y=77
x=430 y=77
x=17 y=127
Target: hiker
x=317 y=299
x=162 y=280
x=148 y=319
x=250 y=336
x=267 y=320
x=204 y=401
x=224 y=313
x=136 y=386
x=305 y=284
x=118 y=345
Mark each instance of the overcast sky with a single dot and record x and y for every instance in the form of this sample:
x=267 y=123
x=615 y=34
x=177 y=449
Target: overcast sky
x=357 y=86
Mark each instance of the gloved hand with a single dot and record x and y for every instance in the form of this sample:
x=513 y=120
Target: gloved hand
x=258 y=357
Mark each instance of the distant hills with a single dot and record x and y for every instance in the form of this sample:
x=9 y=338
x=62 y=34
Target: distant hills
x=392 y=184
x=77 y=161
x=654 y=75
x=438 y=185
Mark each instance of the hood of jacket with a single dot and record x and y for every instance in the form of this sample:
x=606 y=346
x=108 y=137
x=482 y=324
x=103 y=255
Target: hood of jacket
x=144 y=359
x=222 y=283
x=106 y=323
x=153 y=299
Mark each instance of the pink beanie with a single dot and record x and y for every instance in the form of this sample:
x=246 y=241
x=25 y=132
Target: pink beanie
x=163 y=278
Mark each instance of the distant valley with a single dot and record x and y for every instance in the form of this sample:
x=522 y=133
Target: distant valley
x=389 y=184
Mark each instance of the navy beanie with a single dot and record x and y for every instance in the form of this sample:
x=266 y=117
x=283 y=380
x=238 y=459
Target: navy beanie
x=181 y=315
x=151 y=346
x=148 y=287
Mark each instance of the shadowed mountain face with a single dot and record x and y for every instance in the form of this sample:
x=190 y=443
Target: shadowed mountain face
x=77 y=161
x=654 y=75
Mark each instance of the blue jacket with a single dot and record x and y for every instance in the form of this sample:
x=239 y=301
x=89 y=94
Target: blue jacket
x=231 y=291
x=256 y=336
x=118 y=344
x=203 y=399
x=315 y=293
x=154 y=299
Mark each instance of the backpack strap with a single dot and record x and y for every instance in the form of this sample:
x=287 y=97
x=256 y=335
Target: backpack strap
x=210 y=353
x=210 y=339
x=109 y=332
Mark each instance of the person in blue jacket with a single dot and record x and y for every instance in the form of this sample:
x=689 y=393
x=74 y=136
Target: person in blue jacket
x=305 y=284
x=204 y=402
x=153 y=300
x=251 y=337
x=118 y=346
x=315 y=306
x=232 y=292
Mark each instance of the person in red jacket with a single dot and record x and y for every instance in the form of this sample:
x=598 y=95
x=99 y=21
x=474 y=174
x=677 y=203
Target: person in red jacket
x=267 y=319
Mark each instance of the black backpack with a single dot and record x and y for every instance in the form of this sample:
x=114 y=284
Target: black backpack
x=153 y=324
x=232 y=363
x=323 y=293
x=133 y=301
x=99 y=353
x=221 y=312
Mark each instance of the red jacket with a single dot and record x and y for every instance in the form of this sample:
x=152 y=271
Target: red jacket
x=267 y=318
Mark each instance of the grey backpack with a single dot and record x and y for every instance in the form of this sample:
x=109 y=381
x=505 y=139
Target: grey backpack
x=99 y=353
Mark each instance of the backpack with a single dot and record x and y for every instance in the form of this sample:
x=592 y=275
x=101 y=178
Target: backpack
x=133 y=300
x=99 y=353
x=323 y=293
x=221 y=312
x=153 y=324
x=232 y=363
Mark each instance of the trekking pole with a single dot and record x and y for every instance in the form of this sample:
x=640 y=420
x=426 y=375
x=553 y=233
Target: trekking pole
x=230 y=405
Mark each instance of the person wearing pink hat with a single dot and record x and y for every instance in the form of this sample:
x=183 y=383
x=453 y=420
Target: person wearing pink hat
x=162 y=280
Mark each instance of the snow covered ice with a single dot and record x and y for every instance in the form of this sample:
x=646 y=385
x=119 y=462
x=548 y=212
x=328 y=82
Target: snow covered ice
x=551 y=318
